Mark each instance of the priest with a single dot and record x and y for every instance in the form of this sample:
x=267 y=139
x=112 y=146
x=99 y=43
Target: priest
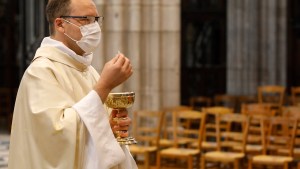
x=59 y=118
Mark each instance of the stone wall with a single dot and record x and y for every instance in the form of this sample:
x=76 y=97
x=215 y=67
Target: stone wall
x=147 y=32
x=256 y=44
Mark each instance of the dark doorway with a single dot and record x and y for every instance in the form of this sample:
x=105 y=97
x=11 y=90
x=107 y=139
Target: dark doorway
x=293 y=56
x=203 y=44
x=22 y=25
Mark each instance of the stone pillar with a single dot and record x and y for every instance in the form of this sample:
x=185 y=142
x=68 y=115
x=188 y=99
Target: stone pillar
x=256 y=45
x=132 y=22
x=99 y=59
x=147 y=32
x=170 y=52
x=151 y=54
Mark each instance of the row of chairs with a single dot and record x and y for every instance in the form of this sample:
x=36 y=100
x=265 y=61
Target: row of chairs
x=215 y=137
x=271 y=94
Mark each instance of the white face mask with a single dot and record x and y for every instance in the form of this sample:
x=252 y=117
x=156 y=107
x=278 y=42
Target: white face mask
x=91 y=35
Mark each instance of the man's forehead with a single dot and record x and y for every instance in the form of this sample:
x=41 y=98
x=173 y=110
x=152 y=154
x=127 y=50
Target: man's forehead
x=83 y=6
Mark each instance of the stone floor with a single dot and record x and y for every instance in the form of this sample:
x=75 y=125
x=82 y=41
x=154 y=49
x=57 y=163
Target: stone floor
x=4 y=146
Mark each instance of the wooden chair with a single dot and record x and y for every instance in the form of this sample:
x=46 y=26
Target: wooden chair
x=166 y=139
x=272 y=95
x=245 y=99
x=198 y=102
x=256 y=111
x=225 y=100
x=295 y=95
x=177 y=152
x=293 y=112
x=146 y=128
x=280 y=135
x=227 y=139
x=210 y=133
x=256 y=108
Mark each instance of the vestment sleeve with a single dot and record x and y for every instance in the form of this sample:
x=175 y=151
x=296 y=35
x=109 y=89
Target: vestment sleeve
x=107 y=152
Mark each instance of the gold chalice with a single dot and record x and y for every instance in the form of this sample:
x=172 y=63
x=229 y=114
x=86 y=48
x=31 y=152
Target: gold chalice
x=122 y=100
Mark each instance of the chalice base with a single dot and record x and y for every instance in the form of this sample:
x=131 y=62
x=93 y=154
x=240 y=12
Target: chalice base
x=126 y=141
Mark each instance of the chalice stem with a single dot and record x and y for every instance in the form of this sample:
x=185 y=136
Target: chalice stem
x=119 y=101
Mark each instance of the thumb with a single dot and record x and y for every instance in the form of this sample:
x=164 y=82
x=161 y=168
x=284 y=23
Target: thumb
x=115 y=59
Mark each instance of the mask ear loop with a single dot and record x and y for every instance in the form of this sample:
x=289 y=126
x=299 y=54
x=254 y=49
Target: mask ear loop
x=73 y=25
x=80 y=27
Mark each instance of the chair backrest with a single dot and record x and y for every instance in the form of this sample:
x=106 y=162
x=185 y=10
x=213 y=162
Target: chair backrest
x=245 y=99
x=167 y=124
x=280 y=136
x=295 y=95
x=217 y=110
x=147 y=126
x=198 y=102
x=257 y=109
x=190 y=134
x=210 y=132
x=271 y=94
x=225 y=100
x=291 y=111
x=235 y=134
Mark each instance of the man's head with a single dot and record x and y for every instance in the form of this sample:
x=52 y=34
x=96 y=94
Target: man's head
x=55 y=9
x=65 y=18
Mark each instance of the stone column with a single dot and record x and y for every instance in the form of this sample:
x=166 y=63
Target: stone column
x=132 y=46
x=99 y=59
x=256 y=45
x=147 y=32
x=151 y=43
x=170 y=52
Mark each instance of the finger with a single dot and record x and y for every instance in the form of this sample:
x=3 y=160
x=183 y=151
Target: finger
x=124 y=123
x=128 y=69
x=115 y=59
x=123 y=133
x=119 y=127
x=120 y=60
x=126 y=64
x=114 y=113
x=122 y=113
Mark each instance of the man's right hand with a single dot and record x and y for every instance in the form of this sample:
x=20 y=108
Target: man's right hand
x=115 y=72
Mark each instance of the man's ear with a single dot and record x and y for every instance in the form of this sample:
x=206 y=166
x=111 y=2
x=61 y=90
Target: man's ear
x=58 y=25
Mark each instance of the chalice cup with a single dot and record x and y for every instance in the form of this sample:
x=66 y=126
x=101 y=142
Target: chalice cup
x=122 y=100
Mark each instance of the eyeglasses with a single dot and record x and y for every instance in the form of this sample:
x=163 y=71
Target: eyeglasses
x=88 y=19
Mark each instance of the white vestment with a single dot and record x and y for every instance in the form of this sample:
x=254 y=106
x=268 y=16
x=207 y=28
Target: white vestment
x=59 y=121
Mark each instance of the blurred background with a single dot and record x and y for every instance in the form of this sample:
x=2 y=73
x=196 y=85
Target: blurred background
x=179 y=49
x=214 y=52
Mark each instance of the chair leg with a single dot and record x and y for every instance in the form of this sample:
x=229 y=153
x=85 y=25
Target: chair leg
x=298 y=165
x=203 y=162
x=158 y=160
x=250 y=164
x=286 y=165
x=190 y=162
x=236 y=164
x=147 y=159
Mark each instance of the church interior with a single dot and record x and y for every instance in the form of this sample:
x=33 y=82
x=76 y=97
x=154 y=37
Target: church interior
x=216 y=82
